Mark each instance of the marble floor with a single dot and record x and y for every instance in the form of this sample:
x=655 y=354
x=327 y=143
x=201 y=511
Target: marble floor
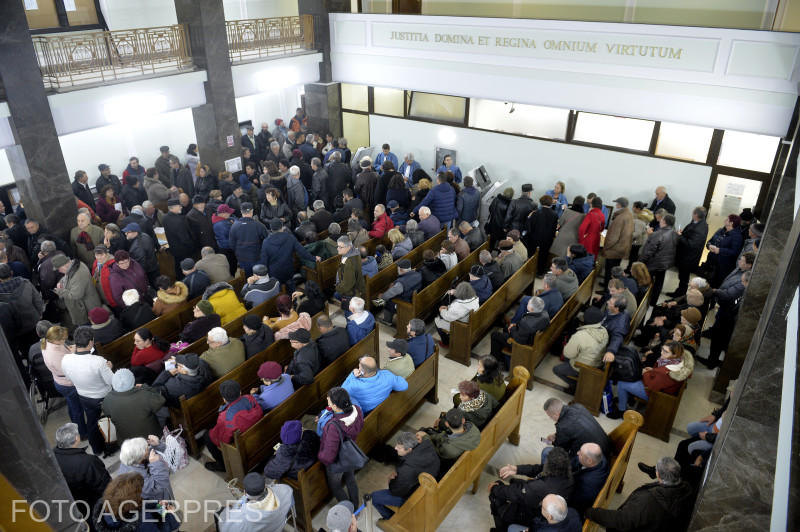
x=472 y=511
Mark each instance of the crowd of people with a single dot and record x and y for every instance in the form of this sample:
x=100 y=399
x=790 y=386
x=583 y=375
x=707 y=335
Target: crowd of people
x=299 y=198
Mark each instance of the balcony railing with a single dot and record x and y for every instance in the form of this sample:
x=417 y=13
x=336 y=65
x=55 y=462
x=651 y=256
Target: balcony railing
x=102 y=56
x=258 y=38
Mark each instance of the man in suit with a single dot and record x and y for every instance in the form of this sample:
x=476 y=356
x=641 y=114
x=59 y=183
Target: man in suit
x=249 y=140
x=80 y=187
x=691 y=241
x=661 y=201
x=181 y=176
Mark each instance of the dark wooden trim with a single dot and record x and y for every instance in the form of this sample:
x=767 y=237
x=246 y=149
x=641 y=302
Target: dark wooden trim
x=654 y=138
x=65 y=29
x=632 y=151
x=572 y=121
x=742 y=172
x=370 y=99
x=466 y=113
x=714 y=147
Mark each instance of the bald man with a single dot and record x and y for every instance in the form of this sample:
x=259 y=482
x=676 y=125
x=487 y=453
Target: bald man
x=661 y=201
x=556 y=515
x=369 y=386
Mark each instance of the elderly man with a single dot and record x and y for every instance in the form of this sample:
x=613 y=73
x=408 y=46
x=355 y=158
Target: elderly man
x=215 y=265
x=332 y=341
x=617 y=287
x=492 y=269
x=75 y=289
x=575 y=426
x=84 y=238
x=86 y=475
x=259 y=287
x=617 y=323
x=369 y=386
x=408 y=281
x=428 y=223
x=662 y=505
x=296 y=193
x=305 y=362
x=441 y=200
x=134 y=410
x=360 y=322
x=262 y=507
x=142 y=249
x=619 y=236
x=81 y=189
x=510 y=262
x=661 y=201
x=399 y=362
x=179 y=236
x=535 y=320
x=519 y=209
x=420 y=344
x=658 y=254
x=349 y=279
x=224 y=354
x=414 y=458
x=382 y=222
x=408 y=168
x=321 y=218
x=472 y=236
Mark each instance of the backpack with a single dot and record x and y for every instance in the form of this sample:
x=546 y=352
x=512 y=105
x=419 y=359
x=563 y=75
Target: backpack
x=627 y=365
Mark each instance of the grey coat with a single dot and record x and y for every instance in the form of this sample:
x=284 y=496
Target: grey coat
x=568 y=225
x=78 y=293
x=658 y=252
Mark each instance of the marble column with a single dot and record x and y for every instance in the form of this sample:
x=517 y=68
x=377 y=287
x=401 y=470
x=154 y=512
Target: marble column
x=28 y=462
x=322 y=33
x=324 y=107
x=215 y=121
x=36 y=160
x=773 y=241
x=738 y=489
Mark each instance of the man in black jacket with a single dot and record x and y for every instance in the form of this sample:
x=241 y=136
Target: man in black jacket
x=137 y=216
x=80 y=187
x=661 y=201
x=664 y=505
x=107 y=178
x=305 y=361
x=179 y=237
x=86 y=475
x=535 y=320
x=574 y=427
x=691 y=242
x=415 y=458
x=340 y=177
x=332 y=341
x=188 y=378
x=181 y=176
x=408 y=281
x=658 y=254
x=492 y=269
x=202 y=231
x=142 y=249
x=519 y=209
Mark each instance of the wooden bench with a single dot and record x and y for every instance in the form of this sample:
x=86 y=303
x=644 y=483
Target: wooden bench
x=381 y=281
x=529 y=356
x=425 y=301
x=324 y=273
x=592 y=381
x=311 y=487
x=464 y=334
x=622 y=439
x=254 y=446
x=660 y=411
x=430 y=503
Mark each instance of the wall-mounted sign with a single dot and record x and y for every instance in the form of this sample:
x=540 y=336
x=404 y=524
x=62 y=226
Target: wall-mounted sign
x=230 y=141
x=233 y=165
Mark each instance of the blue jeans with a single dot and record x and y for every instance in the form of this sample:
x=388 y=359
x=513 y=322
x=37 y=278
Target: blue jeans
x=382 y=498
x=522 y=310
x=633 y=388
x=696 y=427
x=699 y=446
x=545 y=452
x=247 y=267
x=73 y=407
x=92 y=408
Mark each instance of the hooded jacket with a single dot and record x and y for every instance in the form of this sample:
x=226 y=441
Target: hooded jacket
x=260 y=291
x=653 y=507
x=567 y=283
x=351 y=425
x=225 y=358
x=170 y=299
x=172 y=387
x=369 y=392
x=358 y=331
x=266 y=515
x=224 y=300
x=421 y=459
x=349 y=279
x=619 y=237
x=587 y=345
x=277 y=254
x=240 y=415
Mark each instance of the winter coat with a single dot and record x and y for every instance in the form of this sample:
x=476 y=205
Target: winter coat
x=653 y=507
x=156 y=191
x=526 y=495
x=510 y=264
x=366 y=183
x=483 y=288
x=587 y=345
x=239 y=415
x=222 y=230
x=541 y=231
x=617 y=326
x=474 y=238
x=431 y=270
x=198 y=328
x=349 y=279
x=420 y=348
x=402 y=248
x=245 y=239
x=421 y=459
x=173 y=387
x=402 y=366
x=518 y=211
x=690 y=246
x=730 y=245
x=451 y=446
x=459 y=310
x=639 y=231
x=582 y=266
x=305 y=365
x=259 y=292
x=121 y=280
x=201 y=229
x=280 y=211
x=296 y=195
x=225 y=358
x=291 y=458
x=358 y=331
x=468 y=204
x=658 y=253
x=442 y=202
x=25 y=304
x=258 y=515
x=430 y=226
x=170 y=299
x=619 y=237
x=215 y=266
x=107 y=332
x=179 y=237
x=590 y=229
x=498 y=209
x=332 y=345
x=83 y=193
x=131 y=196
x=142 y=250
x=478 y=411
x=402 y=196
x=85 y=252
x=78 y=293
x=553 y=301
x=303 y=321
x=134 y=316
x=156 y=478
x=359 y=238
x=106 y=211
x=351 y=425
x=277 y=254
x=224 y=300
x=86 y=475
x=134 y=412
x=667 y=204
x=270 y=396
x=149 y=356
x=381 y=226
x=369 y=392
x=102 y=282
x=576 y=426
x=196 y=283
x=528 y=326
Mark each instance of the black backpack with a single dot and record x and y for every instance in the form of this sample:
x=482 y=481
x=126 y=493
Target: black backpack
x=627 y=365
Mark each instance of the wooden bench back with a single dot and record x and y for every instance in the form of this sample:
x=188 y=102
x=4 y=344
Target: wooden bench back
x=426 y=301
x=430 y=503
x=250 y=448
x=379 y=282
x=463 y=335
x=622 y=439
x=640 y=313
x=324 y=273
x=660 y=412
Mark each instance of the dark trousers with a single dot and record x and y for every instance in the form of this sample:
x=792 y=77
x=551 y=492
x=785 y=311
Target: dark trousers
x=213 y=449
x=499 y=342
x=232 y=262
x=721 y=334
x=383 y=498
x=73 y=407
x=91 y=409
x=248 y=268
x=610 y=264
x=658 y=284
x=633 y=256
x=564 y=371
x=683 y=280
x=335 y=481
x=444 y=335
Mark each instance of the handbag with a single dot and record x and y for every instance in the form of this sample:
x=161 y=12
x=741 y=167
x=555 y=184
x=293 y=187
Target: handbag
x=174 y=453
x=350 y=457
x=107 y=429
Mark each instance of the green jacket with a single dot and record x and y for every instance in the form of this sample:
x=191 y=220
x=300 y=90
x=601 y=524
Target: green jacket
x=401 y=366
x=349 y=279
x=226 y=358
x=451 y=446
x=134 y=412
x=324 y=249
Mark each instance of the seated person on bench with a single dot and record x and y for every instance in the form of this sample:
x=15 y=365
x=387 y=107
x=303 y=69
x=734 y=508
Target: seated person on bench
x=617 y=287
x=617 y=322
x=431 y=268
x=415 y=458
x=238 y=412
x=535 y=320
x=480 y=283
x=488 y=378
x=492 y=269
x=574 y=426
x=298 y=450
x=461 y=436
x=420 y=344
x=400 y=362
x=587 y=346
x=286 y=314
x=368 y=386
x=224 y=354
x=466 y=301
x=261 y=507
x=332 y=341
x=189 y=377
x=666 y=316
x=408 y=281
x=477 y=405
x=204 y=321
x=553 y=301
x=519 y=501
x=259 y=287
x=305 y=362
x=580 y=261
x=360 y=322
x=566 y=280
x=275 y=386
x=256 y=337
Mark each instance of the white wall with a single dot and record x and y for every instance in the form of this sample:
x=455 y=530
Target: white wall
x=5 y=169
x=267 y=106
x=242 y=9
x=128 y=14
x=115 y=144
x=276 y=74
x=519 y=160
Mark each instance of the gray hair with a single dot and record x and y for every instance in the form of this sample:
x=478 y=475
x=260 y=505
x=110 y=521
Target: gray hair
x=334 y=229
x=550 y=280
x=425 y=210
x=147 y=204
x=274 y=143
x=407 y=439
x=130 y=296
x=218 y=334
x=294 y=170
x=556 y=507
x=700 y=212
x=536 y=304
x=620 y=303
x=357 y=303
x=342 y=142
x=464 y=291
x=66 y=435
x=408 y=157
x=310 y=138
x=318 y=204
x=669 y=471
x=206 y=251
x=133 y=451
x=553 y=405
x=411 y=225
x=48 y=246
x=316 y=161
x=485 y=256
x=699 y=282
x=345 y=241
x=85 y=214
x=417 y=325
x=336 y=157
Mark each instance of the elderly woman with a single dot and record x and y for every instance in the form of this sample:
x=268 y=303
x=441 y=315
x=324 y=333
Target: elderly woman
x=477 y=405
x=401 y=244
x=124 y=508
x=465 y=302
x=420 y=191
x=106 y=205
x=567 y=230
x=138 y=455
x=169 y=295
x=113 y=238
x=559 y=199
x=135 y=312
x=668 y=374
x=84 y=238
x=204 y=320
x=724 y=248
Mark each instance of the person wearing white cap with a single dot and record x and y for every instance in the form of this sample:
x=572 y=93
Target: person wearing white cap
x=132 y=409
x=261 y=509
x=341 y=518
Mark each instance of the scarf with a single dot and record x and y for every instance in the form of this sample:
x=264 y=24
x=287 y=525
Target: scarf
x=86 y=240
x=474 y=404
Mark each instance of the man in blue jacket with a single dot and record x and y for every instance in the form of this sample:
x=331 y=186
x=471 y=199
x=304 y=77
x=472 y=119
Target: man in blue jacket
x=617 y=323
x=368 y=386
x=360 y=322
x=441 y=200
x=480 y=283
x=277 y=254
x=408 y=168
x=385 y=155
x=420 y=344
x=468 y=203
x=245 y=238
x=448 y=166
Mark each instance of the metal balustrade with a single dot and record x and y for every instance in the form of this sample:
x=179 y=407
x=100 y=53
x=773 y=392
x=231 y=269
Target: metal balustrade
x=259 y=38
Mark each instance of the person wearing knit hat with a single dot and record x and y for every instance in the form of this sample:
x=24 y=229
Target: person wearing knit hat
x=123 y=380
x=261 y=508
x=510 y=262
x=237 y=413
x=256 y=337
x=295 y=452
x=408 y=281
x=694 y=297
x=106 y=327
x=305 y=363
x=132 y=409
x=691 y=317
x=480 y=283
x=275 y=387
x=586 y=345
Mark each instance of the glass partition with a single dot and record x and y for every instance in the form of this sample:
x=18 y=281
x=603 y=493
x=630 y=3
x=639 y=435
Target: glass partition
x=630 y=133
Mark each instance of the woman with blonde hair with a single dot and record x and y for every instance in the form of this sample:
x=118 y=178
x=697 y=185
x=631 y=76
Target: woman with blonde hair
x=421 y=190
x=559 y=199
x=53 y=351
x=401 y=244
x=643 y=280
